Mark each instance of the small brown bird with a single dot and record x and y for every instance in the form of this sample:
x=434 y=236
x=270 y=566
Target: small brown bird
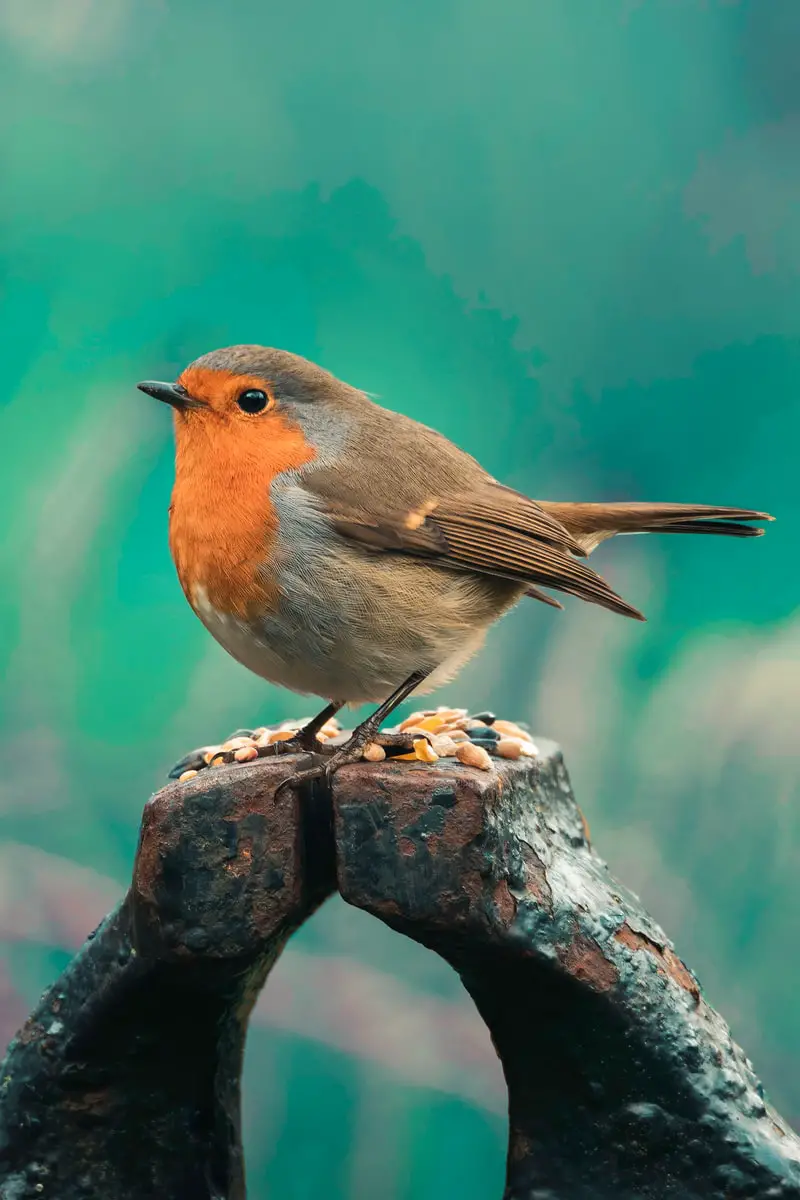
x=338 y=548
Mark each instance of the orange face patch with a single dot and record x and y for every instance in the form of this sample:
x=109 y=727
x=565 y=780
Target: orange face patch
x=219 y=389
x=222 y=524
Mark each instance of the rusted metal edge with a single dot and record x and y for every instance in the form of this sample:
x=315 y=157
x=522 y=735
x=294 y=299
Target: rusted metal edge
x=623 y=1082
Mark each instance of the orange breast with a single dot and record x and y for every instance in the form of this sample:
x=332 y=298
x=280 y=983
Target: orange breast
x=223 y=528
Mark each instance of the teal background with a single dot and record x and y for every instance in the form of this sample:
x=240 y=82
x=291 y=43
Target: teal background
x=566 y=234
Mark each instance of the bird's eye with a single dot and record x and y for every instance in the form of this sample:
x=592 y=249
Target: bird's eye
x=253 y=400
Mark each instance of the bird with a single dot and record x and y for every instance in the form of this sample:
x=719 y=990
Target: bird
x=341 y=549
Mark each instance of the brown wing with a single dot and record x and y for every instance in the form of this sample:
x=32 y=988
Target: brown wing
x=491 y=530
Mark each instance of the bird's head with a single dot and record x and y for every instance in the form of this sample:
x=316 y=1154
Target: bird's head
x=248 y=398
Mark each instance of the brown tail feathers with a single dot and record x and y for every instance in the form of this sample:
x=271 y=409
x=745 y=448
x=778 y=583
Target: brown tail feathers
x=591 y=524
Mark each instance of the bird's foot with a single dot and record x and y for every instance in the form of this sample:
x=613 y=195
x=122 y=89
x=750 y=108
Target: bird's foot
x=364 y=741
x=364 y=744
x=246 y=745
x=322 y=767
x=425 y=737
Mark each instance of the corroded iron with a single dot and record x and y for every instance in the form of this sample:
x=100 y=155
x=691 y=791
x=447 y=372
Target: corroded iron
x=623 y=1083
x=124 y=1082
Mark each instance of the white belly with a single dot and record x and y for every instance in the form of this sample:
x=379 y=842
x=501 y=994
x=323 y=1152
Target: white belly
x=353 y=626
x=350 y=654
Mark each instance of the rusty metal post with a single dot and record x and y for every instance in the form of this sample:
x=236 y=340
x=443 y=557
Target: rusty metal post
x=622 y=1082
x=124 y=1082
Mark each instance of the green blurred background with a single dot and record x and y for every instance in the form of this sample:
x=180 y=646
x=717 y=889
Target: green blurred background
x=568 y=235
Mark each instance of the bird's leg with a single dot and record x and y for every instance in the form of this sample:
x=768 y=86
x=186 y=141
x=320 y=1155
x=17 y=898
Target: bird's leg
x=367 y=731
x=304 y=741
x=361 y=736
x=306 y=738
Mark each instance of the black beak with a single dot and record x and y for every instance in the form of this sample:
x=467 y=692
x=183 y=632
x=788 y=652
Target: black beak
x=170 y=393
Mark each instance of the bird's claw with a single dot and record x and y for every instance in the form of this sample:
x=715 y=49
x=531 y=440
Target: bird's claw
x=397 y=741
x=303 y=742
x=325 y=765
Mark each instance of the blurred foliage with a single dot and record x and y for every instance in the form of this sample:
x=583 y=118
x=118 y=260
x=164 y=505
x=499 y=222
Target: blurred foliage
x=567 y=235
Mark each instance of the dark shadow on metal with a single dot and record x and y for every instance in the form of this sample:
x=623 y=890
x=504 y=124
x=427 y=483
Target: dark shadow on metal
x=125 y=1081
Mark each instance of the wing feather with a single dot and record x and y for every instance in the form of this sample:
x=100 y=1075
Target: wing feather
x=491 y=530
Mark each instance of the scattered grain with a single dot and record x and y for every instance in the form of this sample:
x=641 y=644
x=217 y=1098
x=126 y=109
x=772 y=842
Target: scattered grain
x=280 y=735
x=373 y=752
x=444 y=745
x=425 y=751
x=511 y=729
x=483 y=734
x=236 y=743
x=509 y=747
x=473 y=756
x=411 y=720
x=443 y=732
x=414 y=731
x=432 y=724
x=245 y=754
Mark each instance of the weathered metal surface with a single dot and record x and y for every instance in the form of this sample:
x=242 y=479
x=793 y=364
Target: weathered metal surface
x=124 y=1082
x=622 y=1081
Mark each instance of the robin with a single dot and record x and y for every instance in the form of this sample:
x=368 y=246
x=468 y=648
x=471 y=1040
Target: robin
x=340 y=549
